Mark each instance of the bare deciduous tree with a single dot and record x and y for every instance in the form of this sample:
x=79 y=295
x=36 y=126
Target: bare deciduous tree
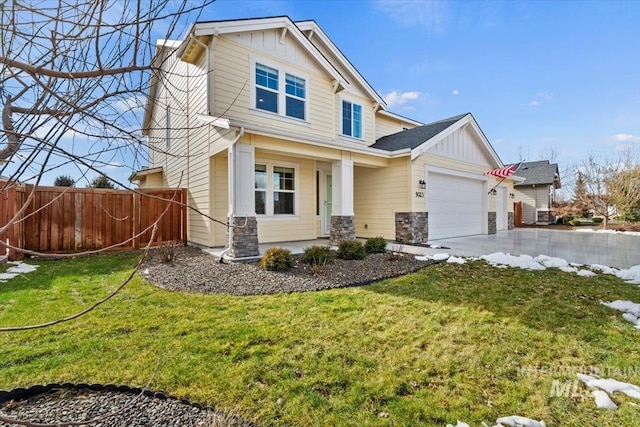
x=76 y=72
x=611 y=186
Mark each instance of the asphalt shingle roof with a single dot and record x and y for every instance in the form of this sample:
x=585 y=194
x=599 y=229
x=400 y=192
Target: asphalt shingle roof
x=413 y=138
x=537 y=173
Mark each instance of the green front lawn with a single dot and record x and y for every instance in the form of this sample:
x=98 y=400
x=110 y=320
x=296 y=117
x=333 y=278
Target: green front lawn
x=449 y=342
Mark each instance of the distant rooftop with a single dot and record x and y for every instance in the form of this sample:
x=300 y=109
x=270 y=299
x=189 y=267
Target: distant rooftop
x=540 y=172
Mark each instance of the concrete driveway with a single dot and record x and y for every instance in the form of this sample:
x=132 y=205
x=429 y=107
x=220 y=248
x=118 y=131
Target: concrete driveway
x=614 y=250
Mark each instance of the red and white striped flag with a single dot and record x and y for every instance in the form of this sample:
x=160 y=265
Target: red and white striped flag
x=503 y=172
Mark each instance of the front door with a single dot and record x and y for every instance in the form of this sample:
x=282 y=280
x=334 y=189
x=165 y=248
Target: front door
x=326 y=197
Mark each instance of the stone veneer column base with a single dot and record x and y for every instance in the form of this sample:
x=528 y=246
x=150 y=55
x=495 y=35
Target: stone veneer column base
x=245 y=237
x=492 y=218
x=412 y=227
x=510 y=221
x=342 y=228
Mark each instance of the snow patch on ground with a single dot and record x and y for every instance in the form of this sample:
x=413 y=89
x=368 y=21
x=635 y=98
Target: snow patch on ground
x=526 y=262
x=630 y=309
x=512 y=421
x=588 y=230
x=19 y=267
x=604 y=388
x=435 y=257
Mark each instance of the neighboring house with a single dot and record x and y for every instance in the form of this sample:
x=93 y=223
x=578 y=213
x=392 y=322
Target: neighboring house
x=537 y=191
x=270 y=127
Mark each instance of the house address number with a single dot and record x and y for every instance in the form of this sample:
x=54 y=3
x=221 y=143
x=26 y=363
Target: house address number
x=419 y=193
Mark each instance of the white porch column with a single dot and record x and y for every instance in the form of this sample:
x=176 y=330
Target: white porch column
x=342 y=216
x=243 y=241
x=342 y=171
x=243 y=157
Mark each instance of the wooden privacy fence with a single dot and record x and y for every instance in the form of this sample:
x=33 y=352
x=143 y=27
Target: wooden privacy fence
x=517 y=214
x=63 y=220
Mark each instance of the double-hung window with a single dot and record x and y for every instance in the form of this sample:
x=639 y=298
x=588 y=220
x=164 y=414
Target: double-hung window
x=275 y=189
x=351 y=119
x=267 y=82
x=269 y=96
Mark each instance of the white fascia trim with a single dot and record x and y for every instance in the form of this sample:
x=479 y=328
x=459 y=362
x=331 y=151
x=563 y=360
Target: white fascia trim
x=486 y=143
x=214 y=28
x=219 y=122
x=319 y=142
x=467 y=120
x=428 y=144
x=400 y=118
x=317 y=32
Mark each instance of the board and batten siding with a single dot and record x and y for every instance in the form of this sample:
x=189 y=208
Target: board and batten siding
x=378 y=194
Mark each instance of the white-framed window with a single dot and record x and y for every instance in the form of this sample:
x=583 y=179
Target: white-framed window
x=268 y=95
x=267 y=83
x=275 y=189
x=351 y=119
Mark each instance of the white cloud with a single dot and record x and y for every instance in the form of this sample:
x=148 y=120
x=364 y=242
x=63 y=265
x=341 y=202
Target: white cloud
x=624 y=137
x=534 y=104
x=134 y=104
x=456 y=92
x=397 y=98
x=431 y=15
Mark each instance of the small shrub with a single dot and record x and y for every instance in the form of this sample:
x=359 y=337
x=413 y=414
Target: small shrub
x=276 y=259
x=579 y=222
x=316 y=255
x=375 y=245
x=351 y=249
x=168 y=253
x=598 y=220
x=569 y=218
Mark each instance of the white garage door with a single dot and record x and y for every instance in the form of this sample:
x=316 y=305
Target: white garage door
x=455 y=206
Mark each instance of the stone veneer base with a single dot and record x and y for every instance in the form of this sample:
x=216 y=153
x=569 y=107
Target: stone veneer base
x=492 y=218
x=412 y=227
x=245 y=237
x=342 y=228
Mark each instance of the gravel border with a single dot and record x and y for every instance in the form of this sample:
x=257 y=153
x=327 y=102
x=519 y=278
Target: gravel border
x=119 y=406
x=192 y=270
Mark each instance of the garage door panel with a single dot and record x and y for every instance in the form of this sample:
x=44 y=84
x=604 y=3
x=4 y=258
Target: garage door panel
x=455 y=205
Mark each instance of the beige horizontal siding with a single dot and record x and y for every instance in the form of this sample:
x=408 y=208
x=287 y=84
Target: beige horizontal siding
x=378 y=194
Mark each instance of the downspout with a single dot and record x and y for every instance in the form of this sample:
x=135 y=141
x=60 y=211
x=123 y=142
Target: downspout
x=232 y=191
x=208 y=68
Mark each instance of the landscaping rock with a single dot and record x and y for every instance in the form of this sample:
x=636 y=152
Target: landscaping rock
x=196 y=271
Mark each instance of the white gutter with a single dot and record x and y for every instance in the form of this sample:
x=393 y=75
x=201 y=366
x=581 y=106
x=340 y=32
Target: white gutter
x=232 y=190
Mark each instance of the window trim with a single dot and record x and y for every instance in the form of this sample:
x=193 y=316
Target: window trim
x=341 y=121
x=270 y=164
x=282 y=92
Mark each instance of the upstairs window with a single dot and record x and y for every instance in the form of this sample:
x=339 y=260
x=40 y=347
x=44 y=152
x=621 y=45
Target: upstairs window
x=266 y=88
x=295 y=88
x=351 y=119
x=269 y=95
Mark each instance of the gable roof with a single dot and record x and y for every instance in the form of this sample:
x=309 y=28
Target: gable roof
x=312 y=31
x=412 y=138
x=422 y=138
x=538 y=173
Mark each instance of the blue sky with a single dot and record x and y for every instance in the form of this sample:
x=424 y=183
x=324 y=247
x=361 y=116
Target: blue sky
x=537 y=75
